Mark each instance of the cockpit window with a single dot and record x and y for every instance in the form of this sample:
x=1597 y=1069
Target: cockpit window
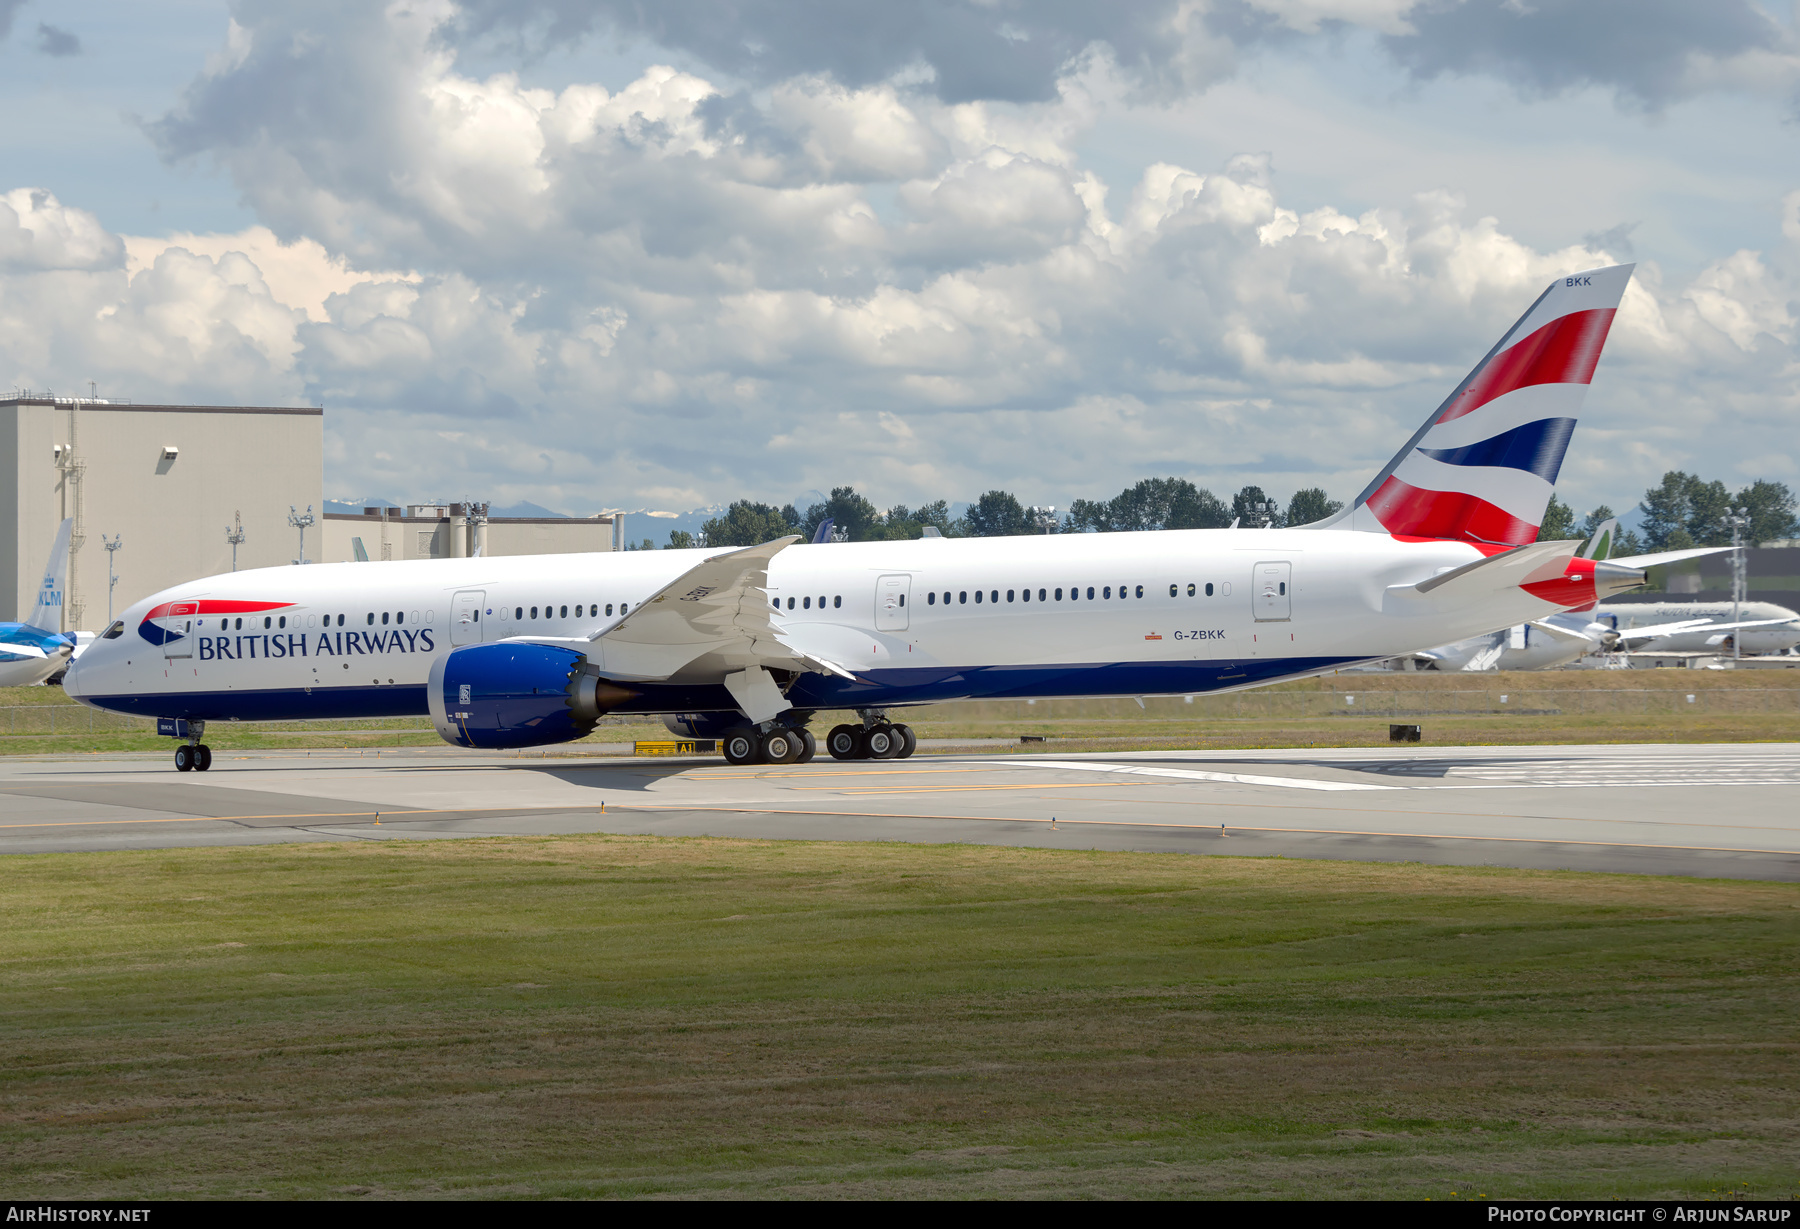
x=115 y=631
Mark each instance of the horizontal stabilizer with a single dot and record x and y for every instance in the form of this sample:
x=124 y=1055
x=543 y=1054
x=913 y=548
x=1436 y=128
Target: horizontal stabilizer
x=1669 y=556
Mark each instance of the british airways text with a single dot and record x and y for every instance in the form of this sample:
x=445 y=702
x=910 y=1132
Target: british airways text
x=326 y=644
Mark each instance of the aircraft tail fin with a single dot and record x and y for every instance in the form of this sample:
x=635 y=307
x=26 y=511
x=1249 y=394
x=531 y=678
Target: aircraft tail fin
x=1600 y=546
x=1483 y=466
x=48 y=613
x=824 y=532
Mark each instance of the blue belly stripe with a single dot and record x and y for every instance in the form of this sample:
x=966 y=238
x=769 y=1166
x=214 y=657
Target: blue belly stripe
x=875 y=689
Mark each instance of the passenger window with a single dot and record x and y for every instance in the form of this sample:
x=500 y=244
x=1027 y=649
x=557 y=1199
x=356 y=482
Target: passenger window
x=806 y=604
x=1059 y=595
x=978 y=597
x=837 y=601
x=903 y=599
x=1040 y=595
x=1209 y=588
x=565 y=612
x=931 y=599
x=609 y=608
x=1190 y=591
x=282 y=622
x=994 y=596
x=1172 y=592
x=240 y=625
x=534 y=612
x=963 y=597
x=371 y=618
x=1025 y=595
x=1284 y=588
x=624 y=606
x=268 y=622
x=1009 y=595
x=1106 y=592
x=1140 y=591
x=518 y=612
x=790 y=603
x=1090 y=593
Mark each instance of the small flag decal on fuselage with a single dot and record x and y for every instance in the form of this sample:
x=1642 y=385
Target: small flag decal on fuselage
x=1154 y=636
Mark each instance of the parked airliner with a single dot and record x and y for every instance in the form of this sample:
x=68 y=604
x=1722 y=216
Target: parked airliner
x=35 y=649
x=748 y=644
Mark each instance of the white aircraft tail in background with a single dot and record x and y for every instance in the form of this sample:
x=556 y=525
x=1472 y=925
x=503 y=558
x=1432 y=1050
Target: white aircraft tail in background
x=48 y=613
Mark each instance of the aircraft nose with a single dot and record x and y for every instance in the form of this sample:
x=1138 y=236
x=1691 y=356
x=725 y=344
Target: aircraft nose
x=71 y=677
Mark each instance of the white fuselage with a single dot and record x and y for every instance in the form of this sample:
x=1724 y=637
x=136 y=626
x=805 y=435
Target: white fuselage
x=1065 y=615
x=1623 y=616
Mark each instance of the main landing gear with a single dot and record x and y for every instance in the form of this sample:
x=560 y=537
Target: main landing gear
x=193 y=755
x=875 y=739
x=777 y=744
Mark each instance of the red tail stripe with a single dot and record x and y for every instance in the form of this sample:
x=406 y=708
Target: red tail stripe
x=1562 y=352
x=1573 y=589
x=1406 y=509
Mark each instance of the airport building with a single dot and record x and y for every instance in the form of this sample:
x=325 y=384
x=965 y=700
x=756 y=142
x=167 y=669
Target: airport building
x=189 y=491
x=168 y=482
x=459 y=531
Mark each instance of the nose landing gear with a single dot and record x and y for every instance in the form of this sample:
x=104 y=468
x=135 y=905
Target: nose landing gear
x=193 y=755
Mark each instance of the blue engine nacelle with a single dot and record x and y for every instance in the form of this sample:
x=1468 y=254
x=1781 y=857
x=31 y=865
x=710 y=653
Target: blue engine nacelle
x=496 y=696
x=702 y=725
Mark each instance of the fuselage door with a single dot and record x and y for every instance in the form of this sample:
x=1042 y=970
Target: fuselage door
x=178 y=629
x=890 y=603
x=465 y=617
x=1271 y=586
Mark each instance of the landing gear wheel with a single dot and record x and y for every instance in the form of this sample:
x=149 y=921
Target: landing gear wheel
x=883 y=743
x=202 y=758
x=810 y=749
x=184 y=758
x=782 y=746
x=844 y=743
x=909 y=742
x=742 y=746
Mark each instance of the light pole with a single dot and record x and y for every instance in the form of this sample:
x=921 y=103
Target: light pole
x=477 y=514
x=300 y=520
x=234 y=534
x=1737 y=522
x=111 y=579
x=1043 y=516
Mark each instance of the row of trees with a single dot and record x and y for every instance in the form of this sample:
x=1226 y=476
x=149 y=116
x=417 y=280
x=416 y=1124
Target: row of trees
x=1683 y=511
x=1154 y=503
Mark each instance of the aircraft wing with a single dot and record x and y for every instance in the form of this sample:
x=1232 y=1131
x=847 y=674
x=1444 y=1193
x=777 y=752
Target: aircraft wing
x=1692 y=625
x=1560 y=633
x=718 y=607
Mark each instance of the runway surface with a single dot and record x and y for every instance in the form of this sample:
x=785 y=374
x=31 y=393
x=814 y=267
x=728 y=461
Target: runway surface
x=1716 y=810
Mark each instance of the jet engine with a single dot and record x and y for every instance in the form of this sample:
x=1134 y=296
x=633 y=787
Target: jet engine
x=496 y=696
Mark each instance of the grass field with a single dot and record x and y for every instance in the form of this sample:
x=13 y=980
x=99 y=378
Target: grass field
x=1351 y=710
x=638 y=1016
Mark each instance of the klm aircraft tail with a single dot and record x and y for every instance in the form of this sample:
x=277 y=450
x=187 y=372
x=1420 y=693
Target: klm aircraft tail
x=47 y=615
x=1483 y=466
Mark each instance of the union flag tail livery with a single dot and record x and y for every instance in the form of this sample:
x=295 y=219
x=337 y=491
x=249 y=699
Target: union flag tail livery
x=1482 y=468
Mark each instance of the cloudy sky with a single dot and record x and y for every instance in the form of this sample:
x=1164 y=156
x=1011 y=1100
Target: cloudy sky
x=611 y=254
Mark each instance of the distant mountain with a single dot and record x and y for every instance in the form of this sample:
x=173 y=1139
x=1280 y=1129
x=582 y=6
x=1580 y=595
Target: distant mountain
x=343 y=507
x=526 y=508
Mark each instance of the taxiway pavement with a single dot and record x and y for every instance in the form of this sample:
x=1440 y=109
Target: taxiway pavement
x=1718 y=810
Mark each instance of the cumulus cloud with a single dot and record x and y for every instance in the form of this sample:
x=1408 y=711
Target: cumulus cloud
x=597 y=295
x=1651 y=52
x=54 y=42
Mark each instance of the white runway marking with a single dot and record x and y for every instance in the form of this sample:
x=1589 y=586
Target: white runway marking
x=1194 y=774
x=1719 y=769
